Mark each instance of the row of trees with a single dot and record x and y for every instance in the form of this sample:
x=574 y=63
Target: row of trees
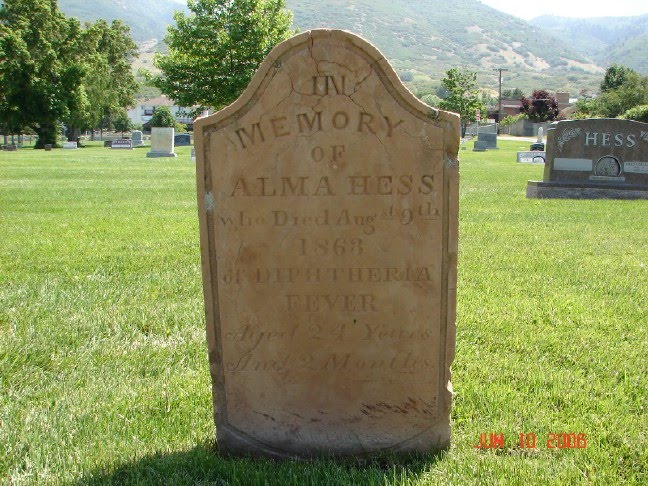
x=624 y=93
x=54 y=70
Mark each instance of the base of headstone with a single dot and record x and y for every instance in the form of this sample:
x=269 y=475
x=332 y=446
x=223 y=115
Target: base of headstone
x=137 y=143
x=555 y=190
x=161 y=154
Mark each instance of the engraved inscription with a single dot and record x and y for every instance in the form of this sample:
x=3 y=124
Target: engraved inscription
x=308 y=123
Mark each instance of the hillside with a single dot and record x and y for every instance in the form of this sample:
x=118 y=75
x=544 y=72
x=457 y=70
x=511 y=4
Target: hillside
x=425 y=38
x=606 y=40
x=430 y=36
x=147 y=18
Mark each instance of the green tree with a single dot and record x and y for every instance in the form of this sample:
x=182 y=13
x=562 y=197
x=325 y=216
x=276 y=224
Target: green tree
x=53 y=70
x=162 y=117
x=615 y=76
x=109 y=84
x=41 y=71
x=214 y=51
x=462 y=95
x=632 y=92
x=515 y=93
x=540 y=106
x=122 y=123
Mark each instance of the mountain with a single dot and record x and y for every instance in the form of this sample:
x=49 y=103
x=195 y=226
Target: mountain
x=147 y=19
x=430 y=36
x=606 y=40
x=424 y=38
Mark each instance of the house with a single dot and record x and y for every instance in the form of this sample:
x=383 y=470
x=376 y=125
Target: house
x=510 y=107
x=142 y=112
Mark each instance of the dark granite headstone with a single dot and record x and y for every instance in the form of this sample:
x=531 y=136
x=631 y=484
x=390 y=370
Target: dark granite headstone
x=182 y=139
x=595 y=158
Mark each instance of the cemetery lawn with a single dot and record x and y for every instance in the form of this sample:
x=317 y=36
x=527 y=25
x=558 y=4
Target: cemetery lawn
x=103 y=366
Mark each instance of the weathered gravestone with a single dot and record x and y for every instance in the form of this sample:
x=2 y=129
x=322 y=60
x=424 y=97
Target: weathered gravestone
x=122 y=143
x=595 y=158
x=70 y=145
x=136 y=137
x=162 y=142
x=328 y=201
x=182 y=139
x=488 y=136
x=480 y=147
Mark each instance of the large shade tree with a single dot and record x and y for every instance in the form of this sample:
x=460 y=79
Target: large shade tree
x=40 y=72
x=53 y=70
x=214 y=51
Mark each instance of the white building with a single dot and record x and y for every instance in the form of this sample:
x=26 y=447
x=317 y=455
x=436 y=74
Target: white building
x=141 y=113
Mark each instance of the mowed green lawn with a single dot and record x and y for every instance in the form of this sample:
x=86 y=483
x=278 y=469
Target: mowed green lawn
x=103 y=364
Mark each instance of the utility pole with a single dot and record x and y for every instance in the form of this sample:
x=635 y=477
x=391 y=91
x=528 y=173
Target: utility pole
x=499 y=111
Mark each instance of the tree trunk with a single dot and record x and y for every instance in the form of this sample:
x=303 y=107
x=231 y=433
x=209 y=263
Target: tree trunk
x=73 y=134
x=47 y=134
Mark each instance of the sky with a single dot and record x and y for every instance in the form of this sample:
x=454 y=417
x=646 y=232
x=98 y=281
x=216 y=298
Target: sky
x=528 y=9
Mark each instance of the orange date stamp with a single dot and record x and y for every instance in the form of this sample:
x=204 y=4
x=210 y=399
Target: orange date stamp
x=561 y=440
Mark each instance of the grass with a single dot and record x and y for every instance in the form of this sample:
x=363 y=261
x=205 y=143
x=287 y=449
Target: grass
x=103 y=366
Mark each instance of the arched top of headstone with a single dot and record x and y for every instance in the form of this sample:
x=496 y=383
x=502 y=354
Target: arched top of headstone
x=326 y=48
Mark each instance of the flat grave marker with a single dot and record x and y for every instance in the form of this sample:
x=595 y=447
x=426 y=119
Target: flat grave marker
x=122 y=143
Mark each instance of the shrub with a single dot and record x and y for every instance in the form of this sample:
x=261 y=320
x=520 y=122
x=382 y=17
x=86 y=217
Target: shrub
x=638 y=113
x=162 y=117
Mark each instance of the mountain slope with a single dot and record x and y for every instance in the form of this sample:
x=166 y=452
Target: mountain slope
x=426 y=37
x=607 y=40
x=147 y=18
x=430 y=36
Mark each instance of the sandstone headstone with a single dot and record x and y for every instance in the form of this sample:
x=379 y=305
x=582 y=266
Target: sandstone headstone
x=161 y=142
x=182 y=139
x=122 y=143
x=136 y=137
x=595 y=158
x=328 y=202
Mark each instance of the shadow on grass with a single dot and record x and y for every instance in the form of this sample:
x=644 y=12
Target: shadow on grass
x=203 y=465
